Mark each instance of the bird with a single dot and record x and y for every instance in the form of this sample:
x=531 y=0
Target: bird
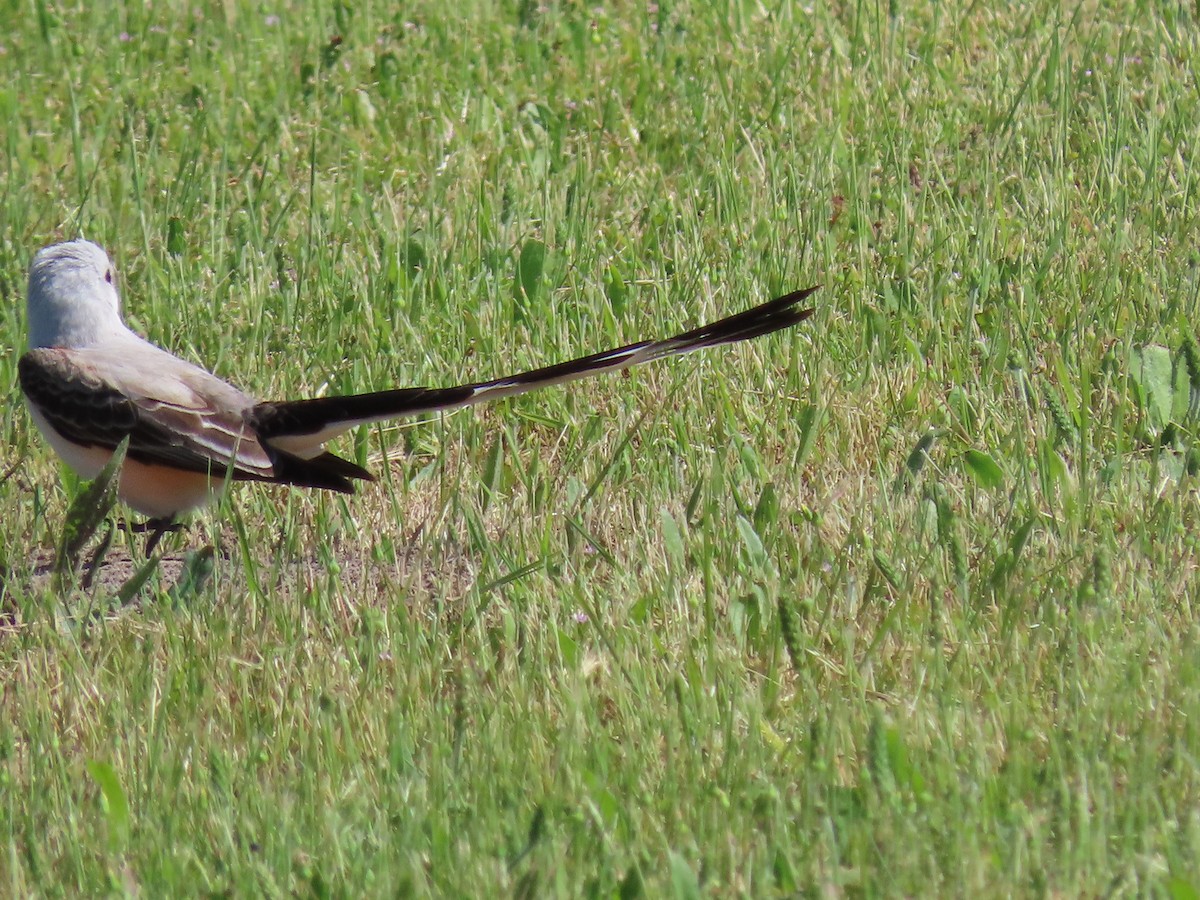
x=90 y=382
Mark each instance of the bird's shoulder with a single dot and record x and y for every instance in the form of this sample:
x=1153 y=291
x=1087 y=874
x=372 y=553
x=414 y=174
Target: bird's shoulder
x=54 y=370
x=70 y=396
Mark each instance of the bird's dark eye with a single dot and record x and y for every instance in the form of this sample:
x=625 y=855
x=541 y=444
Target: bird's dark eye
x=108 y=276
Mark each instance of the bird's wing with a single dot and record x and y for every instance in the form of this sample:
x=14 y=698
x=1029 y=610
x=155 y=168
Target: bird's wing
x=175 y=414
x=90 y=403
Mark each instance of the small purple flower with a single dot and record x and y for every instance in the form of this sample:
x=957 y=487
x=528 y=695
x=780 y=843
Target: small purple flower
x=580 y=617
x=124 y=37
x=271 y=21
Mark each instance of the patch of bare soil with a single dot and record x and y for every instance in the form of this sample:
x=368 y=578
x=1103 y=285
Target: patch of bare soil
x=415 y=575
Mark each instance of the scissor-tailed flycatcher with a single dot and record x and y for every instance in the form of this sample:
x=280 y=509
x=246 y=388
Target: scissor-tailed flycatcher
x=90 y=382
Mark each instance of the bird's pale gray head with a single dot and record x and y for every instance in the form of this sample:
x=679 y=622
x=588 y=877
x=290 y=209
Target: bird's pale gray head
x=72 y=299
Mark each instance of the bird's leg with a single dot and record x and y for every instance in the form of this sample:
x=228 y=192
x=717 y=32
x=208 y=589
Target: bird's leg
x=97 y=557
x=160 y=527
x=156 y=528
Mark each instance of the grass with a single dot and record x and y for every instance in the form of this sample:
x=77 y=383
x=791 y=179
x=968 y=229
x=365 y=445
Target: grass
x=902 y=602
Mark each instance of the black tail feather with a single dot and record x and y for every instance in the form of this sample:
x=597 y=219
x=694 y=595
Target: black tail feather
x=305 y=417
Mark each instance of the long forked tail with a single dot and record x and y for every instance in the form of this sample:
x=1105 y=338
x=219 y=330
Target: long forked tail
x=302 y=426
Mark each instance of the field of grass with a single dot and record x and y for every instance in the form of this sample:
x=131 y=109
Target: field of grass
x=901 y=602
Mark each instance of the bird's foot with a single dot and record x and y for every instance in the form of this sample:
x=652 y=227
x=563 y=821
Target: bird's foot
x=156 y=528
